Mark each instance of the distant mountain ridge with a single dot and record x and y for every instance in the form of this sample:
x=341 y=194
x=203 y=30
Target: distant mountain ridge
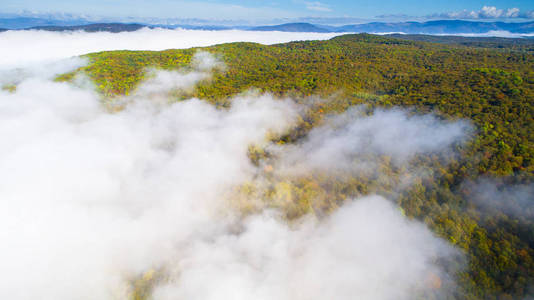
x=429 y=27
x=441 y=27
x=292 y=27
x=27 y=22
x=108 y=27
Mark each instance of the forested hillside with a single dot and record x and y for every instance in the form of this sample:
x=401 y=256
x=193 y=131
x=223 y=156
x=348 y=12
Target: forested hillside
x=491 y=84
x=522 y=44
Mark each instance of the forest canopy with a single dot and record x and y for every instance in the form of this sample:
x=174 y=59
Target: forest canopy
x=491 y=84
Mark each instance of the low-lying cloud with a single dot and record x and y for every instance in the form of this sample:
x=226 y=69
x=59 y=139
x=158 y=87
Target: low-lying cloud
x=351 y=139
x=92 y=199
x=25 y=48
x=493 y=197
x=367 y=250
x=88 y=196
x=159 y=83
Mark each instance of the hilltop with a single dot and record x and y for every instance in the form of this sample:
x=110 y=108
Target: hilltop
x=292 y=27
x=487 y=81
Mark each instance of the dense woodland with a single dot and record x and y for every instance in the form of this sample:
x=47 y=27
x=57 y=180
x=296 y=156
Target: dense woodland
x=491 y=84
x=523 y=44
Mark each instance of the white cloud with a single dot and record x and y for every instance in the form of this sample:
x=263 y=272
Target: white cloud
x=23 y=48
x=487 y=12
x=355 y=139
x=365 y=250
x=90 y=199
x=317 y=6
x=492 y=197
x=493 y=12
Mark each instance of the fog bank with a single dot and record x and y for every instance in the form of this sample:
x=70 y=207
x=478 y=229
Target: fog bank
x=92 y=199
x=23 y=48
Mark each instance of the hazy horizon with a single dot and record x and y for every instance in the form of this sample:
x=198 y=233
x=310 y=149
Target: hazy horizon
x=248 y=12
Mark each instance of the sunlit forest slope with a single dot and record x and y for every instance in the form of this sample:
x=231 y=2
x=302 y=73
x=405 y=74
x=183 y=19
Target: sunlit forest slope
x=490 y=84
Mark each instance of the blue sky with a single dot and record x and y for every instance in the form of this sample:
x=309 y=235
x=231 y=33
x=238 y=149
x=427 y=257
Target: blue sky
x=248 y=9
